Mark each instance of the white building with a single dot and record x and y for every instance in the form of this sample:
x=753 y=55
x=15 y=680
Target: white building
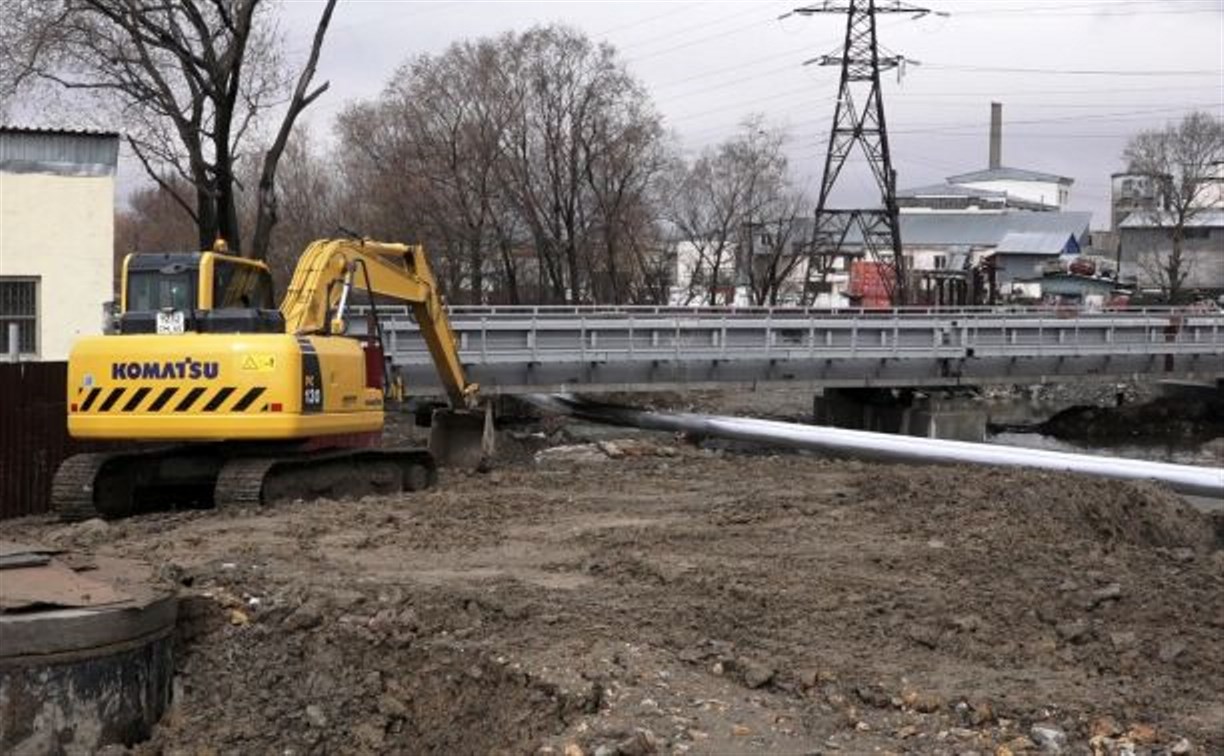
x=1045 y=189
x=57 y=209
x=997 y=188
x=1131 y=192
x=1211 y=195
x=952 y=198
x=694 y=268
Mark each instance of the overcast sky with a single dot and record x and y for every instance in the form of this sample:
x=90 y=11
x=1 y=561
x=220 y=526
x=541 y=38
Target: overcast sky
x=1076 y=77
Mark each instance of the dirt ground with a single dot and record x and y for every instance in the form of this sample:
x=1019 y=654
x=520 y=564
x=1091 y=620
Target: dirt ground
x=676 y=600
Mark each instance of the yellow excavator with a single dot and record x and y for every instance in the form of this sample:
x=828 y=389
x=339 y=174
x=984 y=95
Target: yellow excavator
x=237 y=401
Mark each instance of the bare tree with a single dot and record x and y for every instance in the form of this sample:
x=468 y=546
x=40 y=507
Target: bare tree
x=527 y=163
x=309 y=206
x=190 y=80
x=439 y=123
x=624 y=155
x=578 y=156
x=726 y=193
x=1180 y=158
x=776 y=248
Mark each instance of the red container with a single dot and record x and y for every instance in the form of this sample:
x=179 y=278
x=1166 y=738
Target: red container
x=871 y=283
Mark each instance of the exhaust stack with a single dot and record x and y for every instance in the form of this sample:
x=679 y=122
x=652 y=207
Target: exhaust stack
x=996 y=135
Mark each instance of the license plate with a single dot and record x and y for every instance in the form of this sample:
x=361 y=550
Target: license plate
x=170 y=322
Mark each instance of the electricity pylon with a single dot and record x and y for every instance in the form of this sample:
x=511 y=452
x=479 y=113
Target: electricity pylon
x=858 y=119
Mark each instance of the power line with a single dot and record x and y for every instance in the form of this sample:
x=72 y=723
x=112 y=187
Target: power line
x=1072 y=71
x=670 y=37
x=679 y=8
x=674 y=47
x=1056 y=8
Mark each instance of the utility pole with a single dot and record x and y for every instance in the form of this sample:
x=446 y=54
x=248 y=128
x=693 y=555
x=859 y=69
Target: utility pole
x=858 y=119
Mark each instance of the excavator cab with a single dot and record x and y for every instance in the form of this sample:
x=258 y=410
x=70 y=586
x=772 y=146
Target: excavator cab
x=197 y=292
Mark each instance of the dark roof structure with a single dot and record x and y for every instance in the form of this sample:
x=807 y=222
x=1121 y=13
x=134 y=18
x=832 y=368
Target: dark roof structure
x=1009 y=174
x=1037 y=243
x=1208 y=218
x=977 y=229
x=61 y=152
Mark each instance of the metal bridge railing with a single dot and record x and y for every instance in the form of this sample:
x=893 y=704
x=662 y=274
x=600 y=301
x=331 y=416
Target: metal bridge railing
x=791 y=335
x=530 y=349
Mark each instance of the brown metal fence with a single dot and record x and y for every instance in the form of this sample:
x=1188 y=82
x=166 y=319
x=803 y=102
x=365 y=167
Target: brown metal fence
x=33 y=434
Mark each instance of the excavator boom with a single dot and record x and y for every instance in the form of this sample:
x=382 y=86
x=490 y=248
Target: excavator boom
x=396 y=271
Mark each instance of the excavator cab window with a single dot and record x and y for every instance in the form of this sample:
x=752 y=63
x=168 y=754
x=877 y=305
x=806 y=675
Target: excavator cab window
x=241 y=295
x=241 y=286
x=167 y=289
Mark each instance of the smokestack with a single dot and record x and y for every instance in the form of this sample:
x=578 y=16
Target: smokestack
x=996 y=135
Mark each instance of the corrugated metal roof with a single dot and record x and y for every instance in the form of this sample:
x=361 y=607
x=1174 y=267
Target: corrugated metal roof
x=1034 y=243
x=58 y=151
x=1008 y=174
x=948 y=190
x=984 y=229
x=1210 y=218
x=974 y=229
x=19 y=129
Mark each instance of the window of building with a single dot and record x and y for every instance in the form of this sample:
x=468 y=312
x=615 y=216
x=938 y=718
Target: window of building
x=19 y=305
x=1196 y=233
x=940 y=262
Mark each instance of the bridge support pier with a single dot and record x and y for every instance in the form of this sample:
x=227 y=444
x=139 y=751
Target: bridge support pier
x=929 y=414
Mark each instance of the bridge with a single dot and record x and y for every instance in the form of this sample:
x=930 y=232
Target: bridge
x=516 y=350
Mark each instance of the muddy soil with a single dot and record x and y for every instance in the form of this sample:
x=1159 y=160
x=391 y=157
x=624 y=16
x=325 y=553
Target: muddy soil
x=680 y=600
x=1181 y=419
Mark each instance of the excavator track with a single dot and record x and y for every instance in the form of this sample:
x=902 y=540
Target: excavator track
x=112 y=485
x=241 y=482
x=255 y=481
x=118 y=485
x=73 y=489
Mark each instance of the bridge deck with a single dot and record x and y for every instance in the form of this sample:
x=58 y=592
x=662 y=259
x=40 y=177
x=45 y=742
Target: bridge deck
x=521 y=350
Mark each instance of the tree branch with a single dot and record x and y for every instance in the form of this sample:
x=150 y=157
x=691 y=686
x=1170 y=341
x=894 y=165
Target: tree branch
x=166 y=187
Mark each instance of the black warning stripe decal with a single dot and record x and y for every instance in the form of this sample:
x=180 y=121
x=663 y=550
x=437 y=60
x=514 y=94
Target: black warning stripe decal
x=111 y=399
x=136 y=399
x=166 y=395
x=89 y=400
x=215 y=403
x=190 y=399
x=248 y=399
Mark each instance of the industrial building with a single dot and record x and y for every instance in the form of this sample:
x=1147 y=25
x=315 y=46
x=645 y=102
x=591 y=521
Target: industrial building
x=57 y=207
x=1146 y=242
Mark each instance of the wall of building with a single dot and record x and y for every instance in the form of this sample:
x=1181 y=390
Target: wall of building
x=1211 y=195
x=1047 y=193
x=1011 y=267
x=60 y=231
x=1204 y=256
x=1130 y=192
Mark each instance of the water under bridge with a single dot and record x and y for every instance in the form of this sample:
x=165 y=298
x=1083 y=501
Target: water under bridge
x=517 y=350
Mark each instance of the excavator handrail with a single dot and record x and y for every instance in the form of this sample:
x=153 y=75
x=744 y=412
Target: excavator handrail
x=398 y=271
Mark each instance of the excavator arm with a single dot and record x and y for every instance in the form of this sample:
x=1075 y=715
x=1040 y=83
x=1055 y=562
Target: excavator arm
x=329 y=268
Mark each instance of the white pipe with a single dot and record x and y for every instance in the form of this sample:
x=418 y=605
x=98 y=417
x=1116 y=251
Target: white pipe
x=1201 y=481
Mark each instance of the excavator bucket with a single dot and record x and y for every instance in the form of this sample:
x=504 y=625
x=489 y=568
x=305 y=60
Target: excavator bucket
x=462 y=438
